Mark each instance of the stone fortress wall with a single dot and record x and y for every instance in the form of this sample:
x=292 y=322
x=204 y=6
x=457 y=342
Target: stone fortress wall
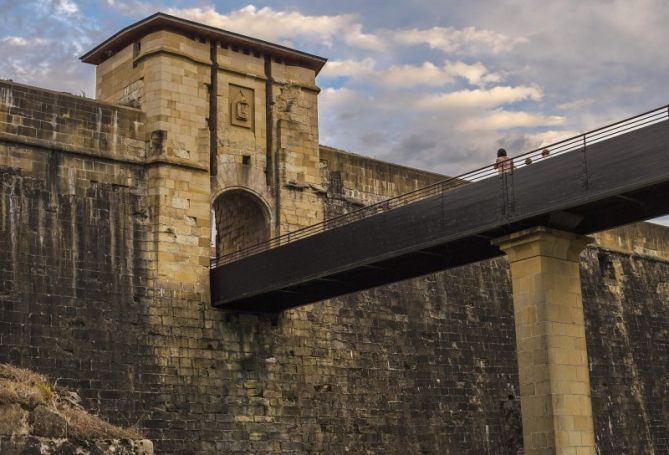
x=105 y=215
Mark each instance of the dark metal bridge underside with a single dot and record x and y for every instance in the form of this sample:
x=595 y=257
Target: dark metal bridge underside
x=618 y=181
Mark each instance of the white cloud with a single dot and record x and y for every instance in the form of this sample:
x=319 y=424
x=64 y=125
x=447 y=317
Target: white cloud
x=331 y=98
x=476 y=74
x=355 y=37
x=353 y=68
x=282 y=26
x=544 y=138
x=502 y=120
x=44 y=38
x=411 y=75
x=67 y=7
x=21 y=41
x=479 y=99
x=134 y=7
x=576 y=104
x=428 y=74
x=448 y=39
x=407 y=76
x=14 y=41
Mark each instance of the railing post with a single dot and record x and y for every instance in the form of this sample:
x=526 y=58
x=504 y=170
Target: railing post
x=503 y=201
x=511 y=188
x=585 y=177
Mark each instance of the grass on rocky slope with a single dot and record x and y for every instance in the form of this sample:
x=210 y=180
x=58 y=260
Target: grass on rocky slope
x=31 y=390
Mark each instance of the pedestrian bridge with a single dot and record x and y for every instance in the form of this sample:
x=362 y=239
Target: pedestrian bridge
x=611 y=176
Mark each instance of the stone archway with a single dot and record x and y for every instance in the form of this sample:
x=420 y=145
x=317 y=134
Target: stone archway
x=241 y=219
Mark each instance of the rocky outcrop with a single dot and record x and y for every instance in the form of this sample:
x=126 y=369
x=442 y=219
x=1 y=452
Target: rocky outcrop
x=37 y=418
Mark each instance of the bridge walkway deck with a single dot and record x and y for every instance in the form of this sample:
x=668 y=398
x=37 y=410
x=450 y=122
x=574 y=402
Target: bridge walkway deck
x=615 y=176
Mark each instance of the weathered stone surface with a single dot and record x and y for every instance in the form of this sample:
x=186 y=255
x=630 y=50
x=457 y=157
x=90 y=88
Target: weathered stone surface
x=45 y=422
x=242 y=221
x=13 y=419
x=32 y=445
x=354 y=180
x=627 y=327
x=56 y=120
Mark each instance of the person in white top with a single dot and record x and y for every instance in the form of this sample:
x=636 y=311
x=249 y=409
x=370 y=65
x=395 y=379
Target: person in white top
x=503 y=163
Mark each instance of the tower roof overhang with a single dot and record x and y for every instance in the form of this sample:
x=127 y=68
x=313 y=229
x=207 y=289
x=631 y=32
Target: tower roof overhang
x=162 y=21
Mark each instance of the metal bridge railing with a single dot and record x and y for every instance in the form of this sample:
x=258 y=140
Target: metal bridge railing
x=572 y=144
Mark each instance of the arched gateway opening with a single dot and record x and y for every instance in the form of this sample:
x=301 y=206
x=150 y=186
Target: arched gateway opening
x=241 y=219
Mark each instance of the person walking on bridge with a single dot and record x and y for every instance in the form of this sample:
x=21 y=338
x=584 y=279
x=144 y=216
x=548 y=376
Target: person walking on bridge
x=503 y=163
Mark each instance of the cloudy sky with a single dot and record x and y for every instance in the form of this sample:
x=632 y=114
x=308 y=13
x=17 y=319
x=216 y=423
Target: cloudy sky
x=435 y=84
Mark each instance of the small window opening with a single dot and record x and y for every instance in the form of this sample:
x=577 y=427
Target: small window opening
x=246 y=159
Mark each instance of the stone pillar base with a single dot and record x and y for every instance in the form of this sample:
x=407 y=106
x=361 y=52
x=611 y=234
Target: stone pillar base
x=550 y=339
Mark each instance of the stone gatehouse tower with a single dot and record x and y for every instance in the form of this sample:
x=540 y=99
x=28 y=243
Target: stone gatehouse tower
x=106 y=208
x=233 y=125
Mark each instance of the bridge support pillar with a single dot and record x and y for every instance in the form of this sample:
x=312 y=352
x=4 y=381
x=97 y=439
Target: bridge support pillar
x=550 y=338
